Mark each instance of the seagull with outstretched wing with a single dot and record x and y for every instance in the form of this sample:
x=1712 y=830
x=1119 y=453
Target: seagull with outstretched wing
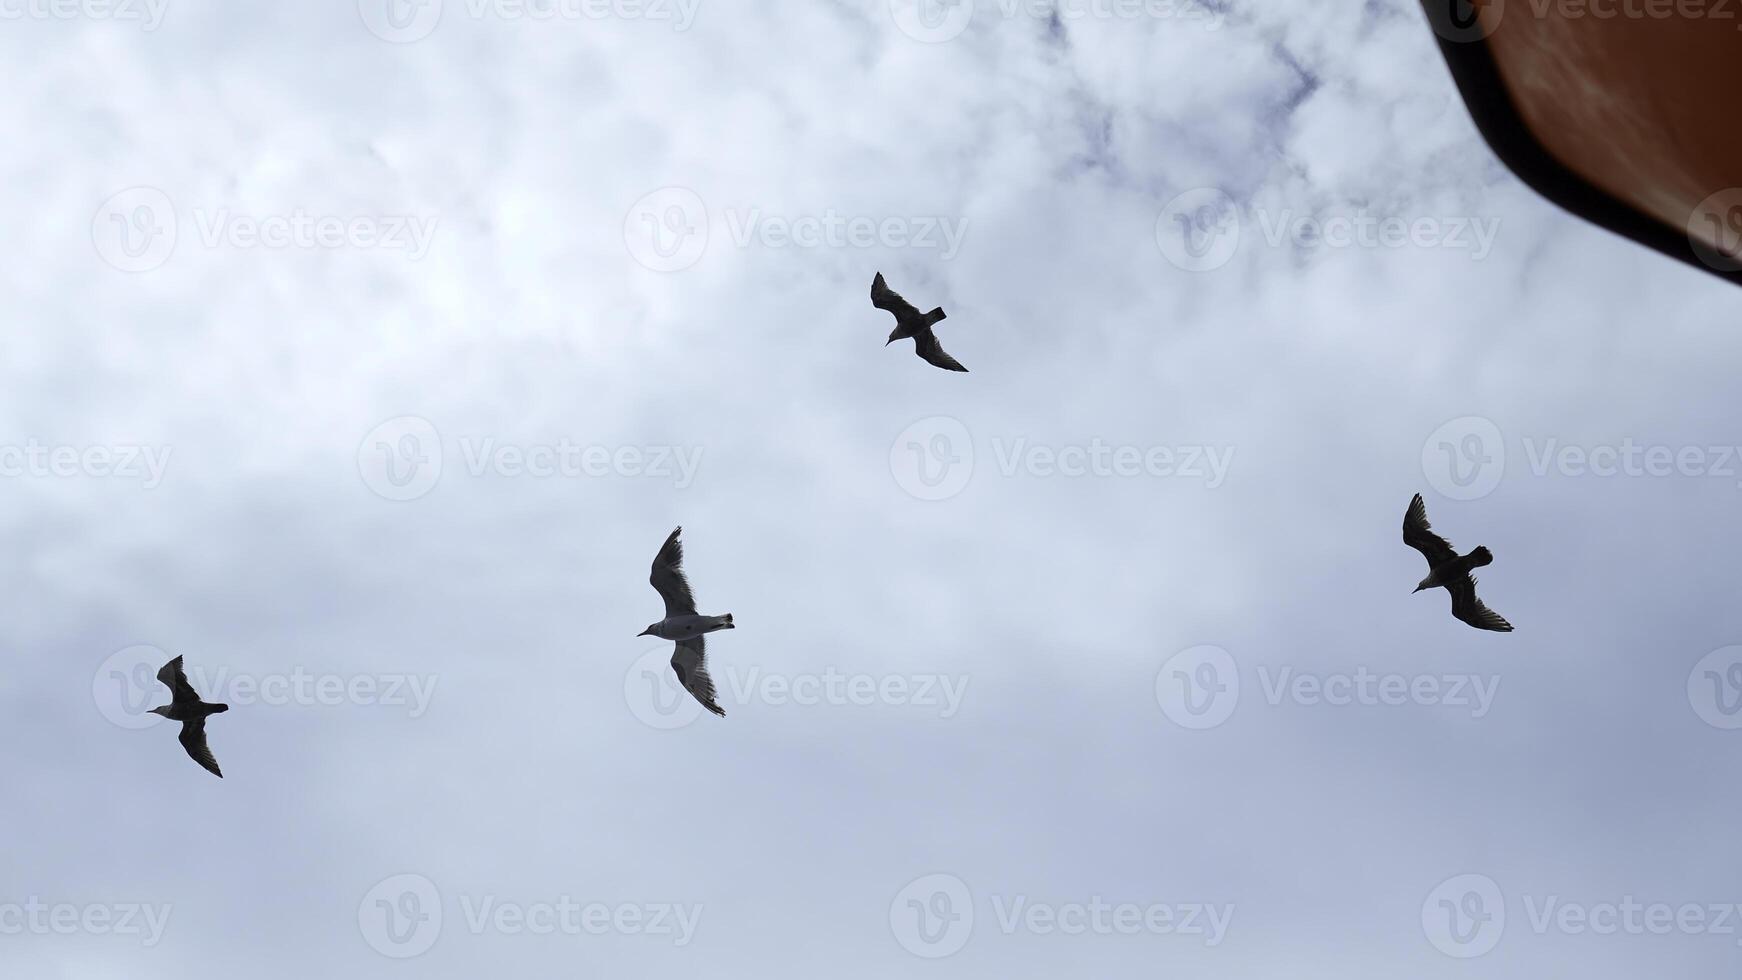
x=910 y=322
x=683 y=625
x=186 y=707
x=1451 y=571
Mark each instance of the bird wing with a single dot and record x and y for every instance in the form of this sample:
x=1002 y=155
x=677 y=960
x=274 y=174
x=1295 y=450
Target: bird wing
x=690 y=662
x=668 y=578
x=925 y=344
x=1467 y=607
x=885 y=298
x=1419 y=534
x=173 y=677
x=193 y=738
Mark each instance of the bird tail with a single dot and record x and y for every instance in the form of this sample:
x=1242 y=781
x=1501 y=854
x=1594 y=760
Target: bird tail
x=1481 y=556
x=218 y=709
x=935 y=315
x=728 y=619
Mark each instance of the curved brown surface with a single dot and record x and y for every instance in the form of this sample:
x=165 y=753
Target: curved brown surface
x=1636 y=98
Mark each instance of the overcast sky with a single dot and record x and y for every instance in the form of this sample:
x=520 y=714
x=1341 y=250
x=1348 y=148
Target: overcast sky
x=363 y=355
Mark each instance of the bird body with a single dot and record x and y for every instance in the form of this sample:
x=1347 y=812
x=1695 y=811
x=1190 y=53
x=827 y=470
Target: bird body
x=686 y=627
x=186 y=707
x=1451 y=571
x=683 y=625
x=910 y=322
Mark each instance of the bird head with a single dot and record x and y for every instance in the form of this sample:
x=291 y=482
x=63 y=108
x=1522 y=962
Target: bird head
x=892 y=338
x=1422 y=585
x=648 y=631
x=159 y=711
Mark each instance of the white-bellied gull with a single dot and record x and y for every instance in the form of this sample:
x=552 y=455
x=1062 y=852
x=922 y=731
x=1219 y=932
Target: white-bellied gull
x=684 y=625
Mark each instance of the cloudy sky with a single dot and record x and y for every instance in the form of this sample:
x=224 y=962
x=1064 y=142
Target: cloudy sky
x=363 y=354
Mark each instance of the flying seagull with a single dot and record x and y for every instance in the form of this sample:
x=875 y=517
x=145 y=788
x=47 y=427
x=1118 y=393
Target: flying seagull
x=1451 y=571
x=910 y=322
x=186 y=707
x=682 y=624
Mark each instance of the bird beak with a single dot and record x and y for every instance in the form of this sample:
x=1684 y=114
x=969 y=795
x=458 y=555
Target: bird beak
x=1415 y=590
x=644 y=632
x=891 y=340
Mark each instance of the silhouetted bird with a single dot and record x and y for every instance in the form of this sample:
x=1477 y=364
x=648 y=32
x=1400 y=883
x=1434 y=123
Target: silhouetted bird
x=910 y=322
x=186 y=707
x=1449 y=570
x=682 y=624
